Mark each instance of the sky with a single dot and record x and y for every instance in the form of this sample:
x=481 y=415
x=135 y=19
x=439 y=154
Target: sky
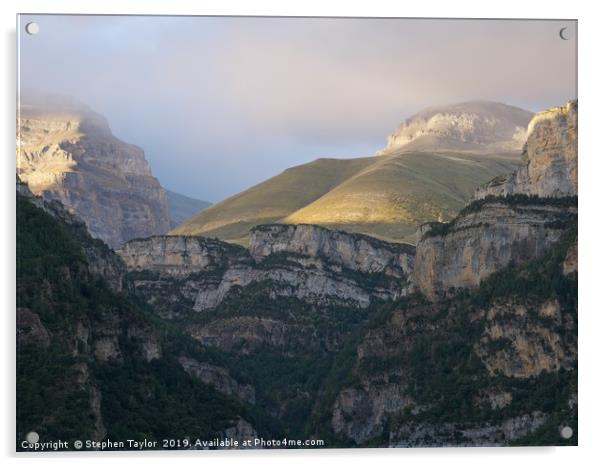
x=221 y=103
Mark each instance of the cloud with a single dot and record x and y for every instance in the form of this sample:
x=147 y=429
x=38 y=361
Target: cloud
x=221 y=103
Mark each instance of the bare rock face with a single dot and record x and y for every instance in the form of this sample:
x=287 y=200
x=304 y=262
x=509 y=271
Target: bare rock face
x=244 y=433
x=483 y=241
x=179 y=255
x=359 y=414
x=485 y=434
x=355 y=252
x=219 y=378
x=514 y=219
x=247 y=334
x=550 y=158
x=517 y=334
x=313 y=264
x=381 y=401
x=66 y=152
x=570 y=264
x=522 y=340
x=478 y=126
x=30 y=330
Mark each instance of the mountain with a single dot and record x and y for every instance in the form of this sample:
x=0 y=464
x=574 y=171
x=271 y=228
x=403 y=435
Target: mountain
x=92 y=362
x=66 y=152
x=386 y=197
x=469 y=339
x=181 y=207
x=485 y=351
x=476 y=127
x=513 y=218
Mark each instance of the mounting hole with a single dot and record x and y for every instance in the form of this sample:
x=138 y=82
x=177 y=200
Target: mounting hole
x=566 y=432
x=32 y=28
x=32 y=437
x=565 y=33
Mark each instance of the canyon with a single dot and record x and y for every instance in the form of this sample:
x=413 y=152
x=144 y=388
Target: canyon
x=467 y=338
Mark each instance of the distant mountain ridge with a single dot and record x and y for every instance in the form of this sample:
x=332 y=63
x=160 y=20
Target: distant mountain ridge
x=182 y=207
x=475 y=126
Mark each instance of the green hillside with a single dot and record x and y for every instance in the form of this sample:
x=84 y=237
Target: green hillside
x=65 y=391
x=386 y=197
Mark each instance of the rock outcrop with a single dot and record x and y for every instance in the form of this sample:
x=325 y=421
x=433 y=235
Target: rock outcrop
x=66 y=152
x=481 y=435
x=479 y=354
x=478 y=126
x=549 y=158
x=30 y=330
x=481 y=350
x=245 y=335
x=219 y=378
x=514 y=219
x=523 y=340
x=359 y=253
x=485 y=239
x=313 y=264
x=180 y=255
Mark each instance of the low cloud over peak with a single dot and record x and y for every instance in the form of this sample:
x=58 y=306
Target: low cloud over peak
x=221 y=103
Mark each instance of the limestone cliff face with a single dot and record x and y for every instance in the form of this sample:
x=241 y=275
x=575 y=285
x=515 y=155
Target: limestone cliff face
x=520 y=327
x=478 y=126
x=179 y=255
x=405 y=366
x=523 y=339
x=383 y=391
x=514 y=219
x=244 y=334
x=549 y=158
x=66 y=152
x=485 y=240
x=313 y=264
x=355 y=252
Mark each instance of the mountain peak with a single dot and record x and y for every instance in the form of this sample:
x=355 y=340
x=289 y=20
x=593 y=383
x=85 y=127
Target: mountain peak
x=66 y=152
x=478 y=126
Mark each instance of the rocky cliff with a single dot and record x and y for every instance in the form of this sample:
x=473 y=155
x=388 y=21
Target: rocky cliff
x=478 y=126
x=482 y=359
x=514 y=219
x=308 y=331
x=478 y=368
x=313 y=264
x=359 y=253
x=66 y=152
x=86 y=350
x=549 y=166
x=488 y=236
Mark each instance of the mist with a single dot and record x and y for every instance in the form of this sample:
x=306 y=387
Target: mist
x=221 y=103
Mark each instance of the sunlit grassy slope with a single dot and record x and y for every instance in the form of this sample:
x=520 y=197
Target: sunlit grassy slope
x=386 y=197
